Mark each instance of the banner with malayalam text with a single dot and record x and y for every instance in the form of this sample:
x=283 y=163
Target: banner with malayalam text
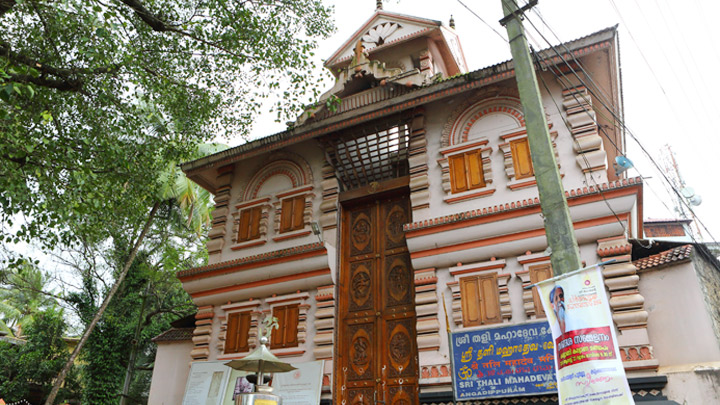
x=589 y=369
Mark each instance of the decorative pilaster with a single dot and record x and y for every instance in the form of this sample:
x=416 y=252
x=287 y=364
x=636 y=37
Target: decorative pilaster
x=216 y=235
x=202 y=333
x=324 y=322
x=427 y=310
x=627 y=304
x=417 y=162
x=426 y=64
x=330 y=192
x=588 y=144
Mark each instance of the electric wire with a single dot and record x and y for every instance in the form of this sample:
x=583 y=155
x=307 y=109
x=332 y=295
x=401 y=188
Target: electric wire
x=567 y=125
x=483 y=21
x=584 y=156
x=619 y=120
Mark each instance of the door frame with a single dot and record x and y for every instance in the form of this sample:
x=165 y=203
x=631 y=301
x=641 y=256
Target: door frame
x=347 y=199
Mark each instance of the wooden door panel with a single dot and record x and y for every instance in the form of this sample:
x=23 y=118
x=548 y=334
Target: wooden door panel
x=377 y=346
x=395 y=215
x=362 y=396
x=401 y=395
x=398 y=282
x=362 y=361
x=362 y=231
x=399 y=351
x=362 y=286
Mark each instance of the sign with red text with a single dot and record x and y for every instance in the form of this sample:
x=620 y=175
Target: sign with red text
x=588 y=367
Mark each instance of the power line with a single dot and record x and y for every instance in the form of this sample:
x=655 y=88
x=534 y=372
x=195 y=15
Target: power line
x=619 y=120
x=484 y=22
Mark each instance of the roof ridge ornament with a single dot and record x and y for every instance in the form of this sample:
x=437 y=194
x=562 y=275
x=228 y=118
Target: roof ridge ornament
x=378 y=5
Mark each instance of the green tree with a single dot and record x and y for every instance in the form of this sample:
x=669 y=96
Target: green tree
x=26 y=370
x=81 y=82
x=22 y=295
x=84 y=83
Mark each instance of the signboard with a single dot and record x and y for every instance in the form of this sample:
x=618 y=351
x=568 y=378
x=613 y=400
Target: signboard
x=500 y=362
x=589 y=369
x=237 y=384
x=206 y=383
x=302 y=386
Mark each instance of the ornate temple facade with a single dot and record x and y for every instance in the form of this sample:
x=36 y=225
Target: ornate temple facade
x=406 y=206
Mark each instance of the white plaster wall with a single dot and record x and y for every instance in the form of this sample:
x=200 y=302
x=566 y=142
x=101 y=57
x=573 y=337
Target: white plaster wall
x=244 y=171
x=308 y=346
x=698 y=385
x=437 y=115
x=172 y=367
x=587 y=254
x=679 y=327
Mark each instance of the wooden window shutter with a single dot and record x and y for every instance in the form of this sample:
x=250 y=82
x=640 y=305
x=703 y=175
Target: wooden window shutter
x=292 y=214
x=480 y=300
x=256 y=213
x=231 y=335
x=249 y=228
x=292 y=316
x=244 y=228
x=491 y=298
x=476 y=178
x=457 y=173
x=236 y=332
x=469 y=293
x=537 y=274
x=288 y=317
x=522 y=161
x=298 y=212
x=466 y=171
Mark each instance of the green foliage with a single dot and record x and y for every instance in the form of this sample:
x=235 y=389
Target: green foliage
x=21 y=297
x=149 y=295
x=26 y=370
x=333 y=103
x=83 y=82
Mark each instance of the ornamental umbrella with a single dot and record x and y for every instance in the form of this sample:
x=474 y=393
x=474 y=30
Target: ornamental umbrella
x=260 y=361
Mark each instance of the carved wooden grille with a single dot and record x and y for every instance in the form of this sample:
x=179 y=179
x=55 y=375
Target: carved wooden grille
x=371 y=153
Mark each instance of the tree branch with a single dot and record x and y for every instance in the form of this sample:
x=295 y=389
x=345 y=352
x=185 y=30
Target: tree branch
x=63 y=373
x=67 y=80
x=6 y=5
x=160 y=26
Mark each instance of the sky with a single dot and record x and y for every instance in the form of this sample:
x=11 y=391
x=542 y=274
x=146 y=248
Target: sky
x=668 y=58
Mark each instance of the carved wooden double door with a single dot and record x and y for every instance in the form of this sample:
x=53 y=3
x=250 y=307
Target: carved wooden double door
x=376 y=357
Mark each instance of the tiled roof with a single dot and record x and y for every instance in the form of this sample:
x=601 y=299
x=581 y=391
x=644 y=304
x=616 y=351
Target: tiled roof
x=678 y=254
x=463 y=216
x=664 y=220
x=174 y=335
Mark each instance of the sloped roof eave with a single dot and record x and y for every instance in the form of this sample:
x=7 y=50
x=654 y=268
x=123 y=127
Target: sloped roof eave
x=505 y=69
x=333 y=59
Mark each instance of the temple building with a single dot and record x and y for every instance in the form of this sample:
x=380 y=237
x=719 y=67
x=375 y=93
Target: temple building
x=406 y=205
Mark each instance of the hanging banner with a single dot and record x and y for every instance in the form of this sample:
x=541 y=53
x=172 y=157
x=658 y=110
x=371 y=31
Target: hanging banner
x=588 y=367
x=500 y=362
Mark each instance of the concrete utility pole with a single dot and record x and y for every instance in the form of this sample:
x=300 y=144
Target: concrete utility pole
x=565 y=255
